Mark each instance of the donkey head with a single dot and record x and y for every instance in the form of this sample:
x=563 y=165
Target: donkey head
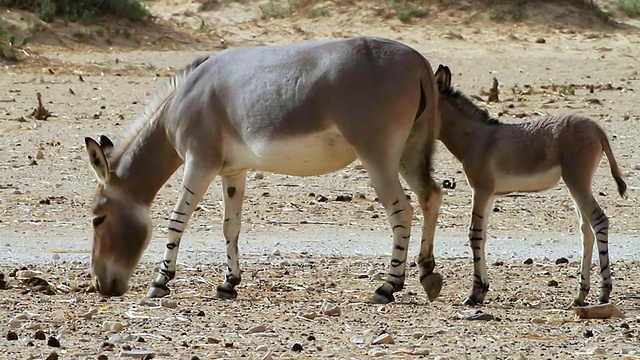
x=121 y=226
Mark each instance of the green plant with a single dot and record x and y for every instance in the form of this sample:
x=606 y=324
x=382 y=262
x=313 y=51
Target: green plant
x=630 y=7
x=405 y=10
x=316 y=12
x=274 y=10
x=83 y=10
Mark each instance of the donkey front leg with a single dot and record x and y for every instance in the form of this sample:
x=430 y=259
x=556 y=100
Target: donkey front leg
x=482 y=201
x=233 y=188
x=194 y=184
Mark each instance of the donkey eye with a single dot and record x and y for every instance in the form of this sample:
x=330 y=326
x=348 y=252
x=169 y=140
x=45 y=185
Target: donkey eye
x=98 y=220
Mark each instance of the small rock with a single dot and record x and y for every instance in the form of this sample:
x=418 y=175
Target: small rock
x=417 y=334
x=31 y=326
x=552 y=283
x=53 y=356
x=420 y=352
x=211 y=340
x=344 y=198
x=308 y=315
x=377 y=352
x=194 y=357
x=147 y=302
x=200 y=313
x=168 y=303
x=528 y=261
x=541 y=40
x=262 y=348
x=624 y=325
x=26 y=274
x=256 y=329
x=116 y=339
x=296 y=347
x=15 y=323
x=521 y=357
x=275 y=252
x=311 y=338
x=137 y=354
x=480 y=315
x=53 y=342
x=39 y=155
x=538 y=321
x=89 y=314
x=370 y=208
x=332 y=311
x=102 y=357
x=598 y=351
x=562 y=260
x=322 y=198
x=383 y=339
x=112 y=326
x=587 y=333
x=258 y=176
x=12 y=336
x=40 y=335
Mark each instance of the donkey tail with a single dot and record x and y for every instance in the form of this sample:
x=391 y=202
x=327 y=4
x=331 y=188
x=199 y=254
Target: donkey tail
x=615 y=170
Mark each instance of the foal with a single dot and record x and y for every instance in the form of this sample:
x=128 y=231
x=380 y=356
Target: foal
x=303 y=109
x=532 y=156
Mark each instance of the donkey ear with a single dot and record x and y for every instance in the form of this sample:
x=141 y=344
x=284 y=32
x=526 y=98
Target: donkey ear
x=98 y=160
x=106 y=145
x=443 y=77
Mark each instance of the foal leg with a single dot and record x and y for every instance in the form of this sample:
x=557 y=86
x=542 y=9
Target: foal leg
x=233 y=188
x=400 y=213
x=430 y=199
x=587 y=254
x=196 y=179
x=482 y=201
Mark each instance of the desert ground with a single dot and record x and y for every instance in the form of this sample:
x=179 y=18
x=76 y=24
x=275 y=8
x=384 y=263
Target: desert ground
x=309 y=267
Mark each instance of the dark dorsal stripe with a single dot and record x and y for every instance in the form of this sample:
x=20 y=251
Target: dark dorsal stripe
x=465 y=106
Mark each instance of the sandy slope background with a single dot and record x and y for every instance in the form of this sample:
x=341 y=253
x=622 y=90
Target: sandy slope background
x=309 y=267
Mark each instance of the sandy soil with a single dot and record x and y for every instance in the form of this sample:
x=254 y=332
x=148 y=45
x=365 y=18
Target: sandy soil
x=329 y=255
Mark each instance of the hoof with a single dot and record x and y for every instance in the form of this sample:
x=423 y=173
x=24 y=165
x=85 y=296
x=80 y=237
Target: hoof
x=226 y=291
x=432 y=285
x=158 y=292
x=381 y=298
x=579 y=303
x=470 y=301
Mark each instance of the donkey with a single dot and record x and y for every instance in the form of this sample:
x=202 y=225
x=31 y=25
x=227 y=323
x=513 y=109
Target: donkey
x=303 y=109
x=500 y=158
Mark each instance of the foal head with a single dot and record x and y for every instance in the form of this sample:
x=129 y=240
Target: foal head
x=121 y=226
x=454 y=106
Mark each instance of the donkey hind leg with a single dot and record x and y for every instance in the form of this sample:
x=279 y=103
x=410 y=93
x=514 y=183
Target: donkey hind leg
x=430 y=199
x=196 y=180
x=598 y=224
x=233 y=188
x=400 y=213
x=482 y=201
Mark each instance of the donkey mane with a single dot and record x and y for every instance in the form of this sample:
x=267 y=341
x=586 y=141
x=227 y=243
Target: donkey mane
x=156 y=106
x=462 y=104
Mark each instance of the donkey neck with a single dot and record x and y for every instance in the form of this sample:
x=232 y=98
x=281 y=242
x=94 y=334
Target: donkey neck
x=146 y=163
x=464 y=125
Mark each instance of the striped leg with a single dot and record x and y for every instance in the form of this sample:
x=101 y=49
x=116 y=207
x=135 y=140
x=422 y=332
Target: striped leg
x=482 y=201
x=195 y=182
x=233 y=187
x=400 y=213
x=600 y=224
x=587 y=254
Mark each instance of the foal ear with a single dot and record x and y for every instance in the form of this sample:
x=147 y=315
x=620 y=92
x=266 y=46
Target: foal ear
x=443 y=77
x=106 y=145
x=98 y=160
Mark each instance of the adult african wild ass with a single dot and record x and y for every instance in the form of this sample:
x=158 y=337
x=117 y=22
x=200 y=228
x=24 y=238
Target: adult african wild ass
x=531 y=156
x=303 y=109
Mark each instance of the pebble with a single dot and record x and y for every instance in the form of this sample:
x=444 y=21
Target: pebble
x=25 y=274
x=383 y=339
x=417 y=334
x=200 y=313
x=53 y=342
x=262 y=348
x=15 y=323
x=137 y=354
x=528 y=261
x=332 y=311
x=53 y=356
x=552 y=283
x=587 y=333
x=102 y=357
x=275 y=252
x=256 y=329
x=538 y=321
x=377 y=352
x=11 y=336
x=117 y=338
x=258 y=176
x=89 y=314
x=420 y=351
x=40 y=335
x=480 y=315
x=39 y=155
x=169 y=303
x=521 y=357
x=308 y=315
x=112 y=326
x=297 y=347
x=147 y=302
x=562 y=260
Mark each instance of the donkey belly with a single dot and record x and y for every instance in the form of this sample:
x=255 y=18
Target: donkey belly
x=302 y=155
x=506 y=183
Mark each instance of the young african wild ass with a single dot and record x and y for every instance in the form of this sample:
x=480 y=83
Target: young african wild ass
x=303 y=109
x=532 y=156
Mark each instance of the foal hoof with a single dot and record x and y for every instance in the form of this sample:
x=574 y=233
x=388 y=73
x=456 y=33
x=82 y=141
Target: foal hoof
x=226 y=291
x=158 y=292
x=432 y=285
x=469 y=301
x=377 y=298
x=579 y=303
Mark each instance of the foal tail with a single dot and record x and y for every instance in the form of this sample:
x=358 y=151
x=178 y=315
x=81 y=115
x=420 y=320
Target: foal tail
x=430 y=116
x=615 y=170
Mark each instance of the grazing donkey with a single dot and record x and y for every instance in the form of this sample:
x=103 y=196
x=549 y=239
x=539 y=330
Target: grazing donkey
x=303 y=109
x=532 y=156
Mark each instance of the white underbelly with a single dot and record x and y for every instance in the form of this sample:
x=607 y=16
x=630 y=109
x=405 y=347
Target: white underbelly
x=506 y=183
x=313 y=154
